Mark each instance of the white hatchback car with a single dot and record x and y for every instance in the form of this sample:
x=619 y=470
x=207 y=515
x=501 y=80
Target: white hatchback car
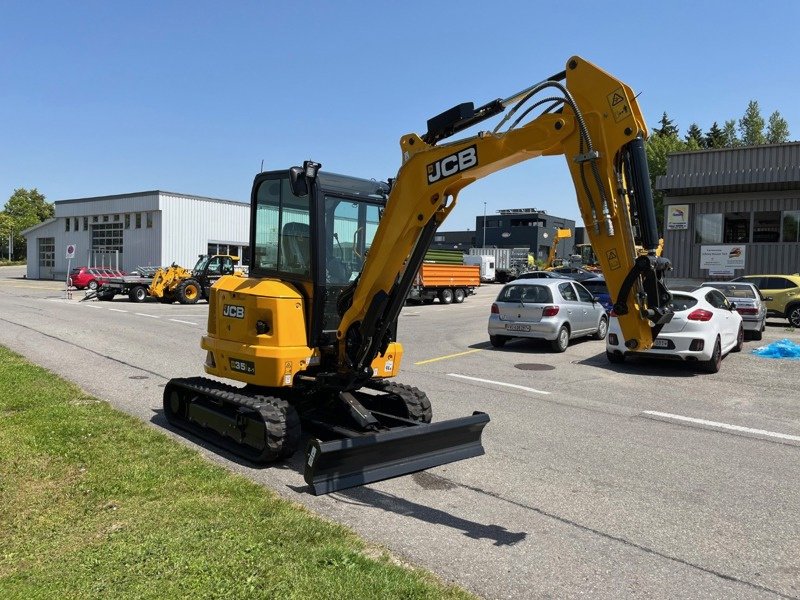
x=704 y=328
x=556 y=310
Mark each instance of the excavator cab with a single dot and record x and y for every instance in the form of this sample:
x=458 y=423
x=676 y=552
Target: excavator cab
x=315 y=234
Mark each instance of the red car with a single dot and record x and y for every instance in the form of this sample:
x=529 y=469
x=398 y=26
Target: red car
x=92 y=278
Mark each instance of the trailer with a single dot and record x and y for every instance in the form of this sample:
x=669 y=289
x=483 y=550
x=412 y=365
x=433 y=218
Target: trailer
x=486 y=263
x=448 y=283
x=135 y=286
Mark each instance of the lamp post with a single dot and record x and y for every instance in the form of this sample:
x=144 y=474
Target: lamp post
x=484 y=225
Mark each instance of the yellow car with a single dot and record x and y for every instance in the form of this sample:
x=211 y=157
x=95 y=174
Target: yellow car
x=782 y=293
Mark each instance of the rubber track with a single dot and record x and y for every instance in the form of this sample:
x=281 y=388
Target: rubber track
x=281 y=422
x=416 y=401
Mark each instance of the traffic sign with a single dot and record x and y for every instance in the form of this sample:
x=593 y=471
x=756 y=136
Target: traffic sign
x=70 y=251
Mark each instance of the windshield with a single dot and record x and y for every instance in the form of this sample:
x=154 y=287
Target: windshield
x=596 y=287
x=201 y=263
x=732 y=290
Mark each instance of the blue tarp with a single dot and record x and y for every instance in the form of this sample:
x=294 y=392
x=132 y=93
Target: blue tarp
x=784 y=348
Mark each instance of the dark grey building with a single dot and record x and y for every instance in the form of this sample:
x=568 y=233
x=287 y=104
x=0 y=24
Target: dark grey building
x=733 y=211
x=511 y=228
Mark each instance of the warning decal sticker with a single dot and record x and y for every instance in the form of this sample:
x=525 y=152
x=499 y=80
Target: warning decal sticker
x=613 y=259
x=619 y=105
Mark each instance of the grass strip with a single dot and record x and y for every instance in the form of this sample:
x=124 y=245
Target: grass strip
x=95 y=504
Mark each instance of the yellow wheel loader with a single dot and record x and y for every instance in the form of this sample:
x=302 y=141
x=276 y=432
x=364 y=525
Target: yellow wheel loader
x=311 y=332
x=187 y=287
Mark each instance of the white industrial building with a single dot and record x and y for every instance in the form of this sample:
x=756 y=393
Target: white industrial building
x=136 y=230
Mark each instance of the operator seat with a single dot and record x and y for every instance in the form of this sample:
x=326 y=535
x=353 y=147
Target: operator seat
x=296 y=248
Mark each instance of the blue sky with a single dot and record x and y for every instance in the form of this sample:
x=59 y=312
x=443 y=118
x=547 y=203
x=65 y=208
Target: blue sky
x=109 y=97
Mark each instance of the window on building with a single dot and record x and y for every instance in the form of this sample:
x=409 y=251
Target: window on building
x=86 y=223
x=212 y=249
x=245 y=255
x=767 y=226
x=107 y=238
x=492 y=222
x=66 y=224
x=708 y=229
x=138 y=220
x=527 y=222
x=75 y=223
x=149 y=220
x=116 y=217
x=737 y=228
x=105 y=218
x=438 y=238
x=127 y=221
x=47 y=252
x=791 y=226
x=95 y=218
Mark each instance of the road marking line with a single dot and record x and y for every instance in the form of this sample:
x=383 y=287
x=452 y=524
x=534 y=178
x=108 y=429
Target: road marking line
x=179 y=321
x=93 y=306
x=146 y=315
x=725 y=426
x=511 y=385
x=117 y=310
x=430 y=360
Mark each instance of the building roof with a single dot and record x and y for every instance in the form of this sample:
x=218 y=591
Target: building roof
x=770 y=167
x=37 y=226
x=150 y=193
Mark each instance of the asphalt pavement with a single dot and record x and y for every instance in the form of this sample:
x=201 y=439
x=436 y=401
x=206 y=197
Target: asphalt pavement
x=641 y=480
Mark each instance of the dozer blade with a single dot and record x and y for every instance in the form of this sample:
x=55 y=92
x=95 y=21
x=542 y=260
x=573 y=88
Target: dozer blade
x=348 y=462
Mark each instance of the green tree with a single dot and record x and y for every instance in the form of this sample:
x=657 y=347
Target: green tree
x=777 y=129
x=667 y=129
x=729 y=137
x=695 y=134
x=715 y=138
x=658 y=147
x=24 y=209
x=751 y=125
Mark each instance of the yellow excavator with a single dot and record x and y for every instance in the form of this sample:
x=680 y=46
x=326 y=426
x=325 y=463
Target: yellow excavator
x=561 y=234
x=311 y=332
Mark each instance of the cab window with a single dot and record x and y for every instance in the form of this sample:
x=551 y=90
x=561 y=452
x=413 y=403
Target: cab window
x=567 y=292
x=583 y=293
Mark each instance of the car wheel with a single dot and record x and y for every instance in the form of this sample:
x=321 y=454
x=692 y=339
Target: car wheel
x=615 y=358
x=498 y=341
x=446 y=296
x=138 y=294
x=562 y=340
x=602 y=329
x=713 y=364
x=459 y=295
x=739 y=340
x=93 y=285
x=793 y=314
x=757 y=335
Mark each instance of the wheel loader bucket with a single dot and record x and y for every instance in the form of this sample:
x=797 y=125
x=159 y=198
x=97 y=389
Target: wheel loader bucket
x=353 y=461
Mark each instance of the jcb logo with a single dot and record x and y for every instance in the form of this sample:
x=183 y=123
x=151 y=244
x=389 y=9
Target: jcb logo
x=455 y=163
x=233 y=311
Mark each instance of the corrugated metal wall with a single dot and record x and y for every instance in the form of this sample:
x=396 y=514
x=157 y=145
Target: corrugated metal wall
x=188 y=224
x=680 y=248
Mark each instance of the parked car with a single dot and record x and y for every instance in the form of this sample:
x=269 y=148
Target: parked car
x=749 y=303
x=784 y=291
x=556 y=310
x=541 y=275
x=90 y=277
x=704 y=328
x=576 y=273
x=597 y=286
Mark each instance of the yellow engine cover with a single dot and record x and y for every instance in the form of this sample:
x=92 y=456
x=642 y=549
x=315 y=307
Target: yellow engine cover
x=236 y=349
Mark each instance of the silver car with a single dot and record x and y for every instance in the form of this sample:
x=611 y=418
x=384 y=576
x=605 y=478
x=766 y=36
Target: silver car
x=556 y=310
x=749 y=303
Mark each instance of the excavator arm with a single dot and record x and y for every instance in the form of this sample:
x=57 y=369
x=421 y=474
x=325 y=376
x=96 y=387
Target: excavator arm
x=586 y=115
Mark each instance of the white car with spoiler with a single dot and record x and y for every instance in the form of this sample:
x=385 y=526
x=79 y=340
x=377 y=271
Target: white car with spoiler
x=704 y=328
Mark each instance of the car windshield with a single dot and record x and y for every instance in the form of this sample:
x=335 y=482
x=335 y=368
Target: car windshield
x=732 y=290
x=596 y=287
x=680 y=302
x=533 y=294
